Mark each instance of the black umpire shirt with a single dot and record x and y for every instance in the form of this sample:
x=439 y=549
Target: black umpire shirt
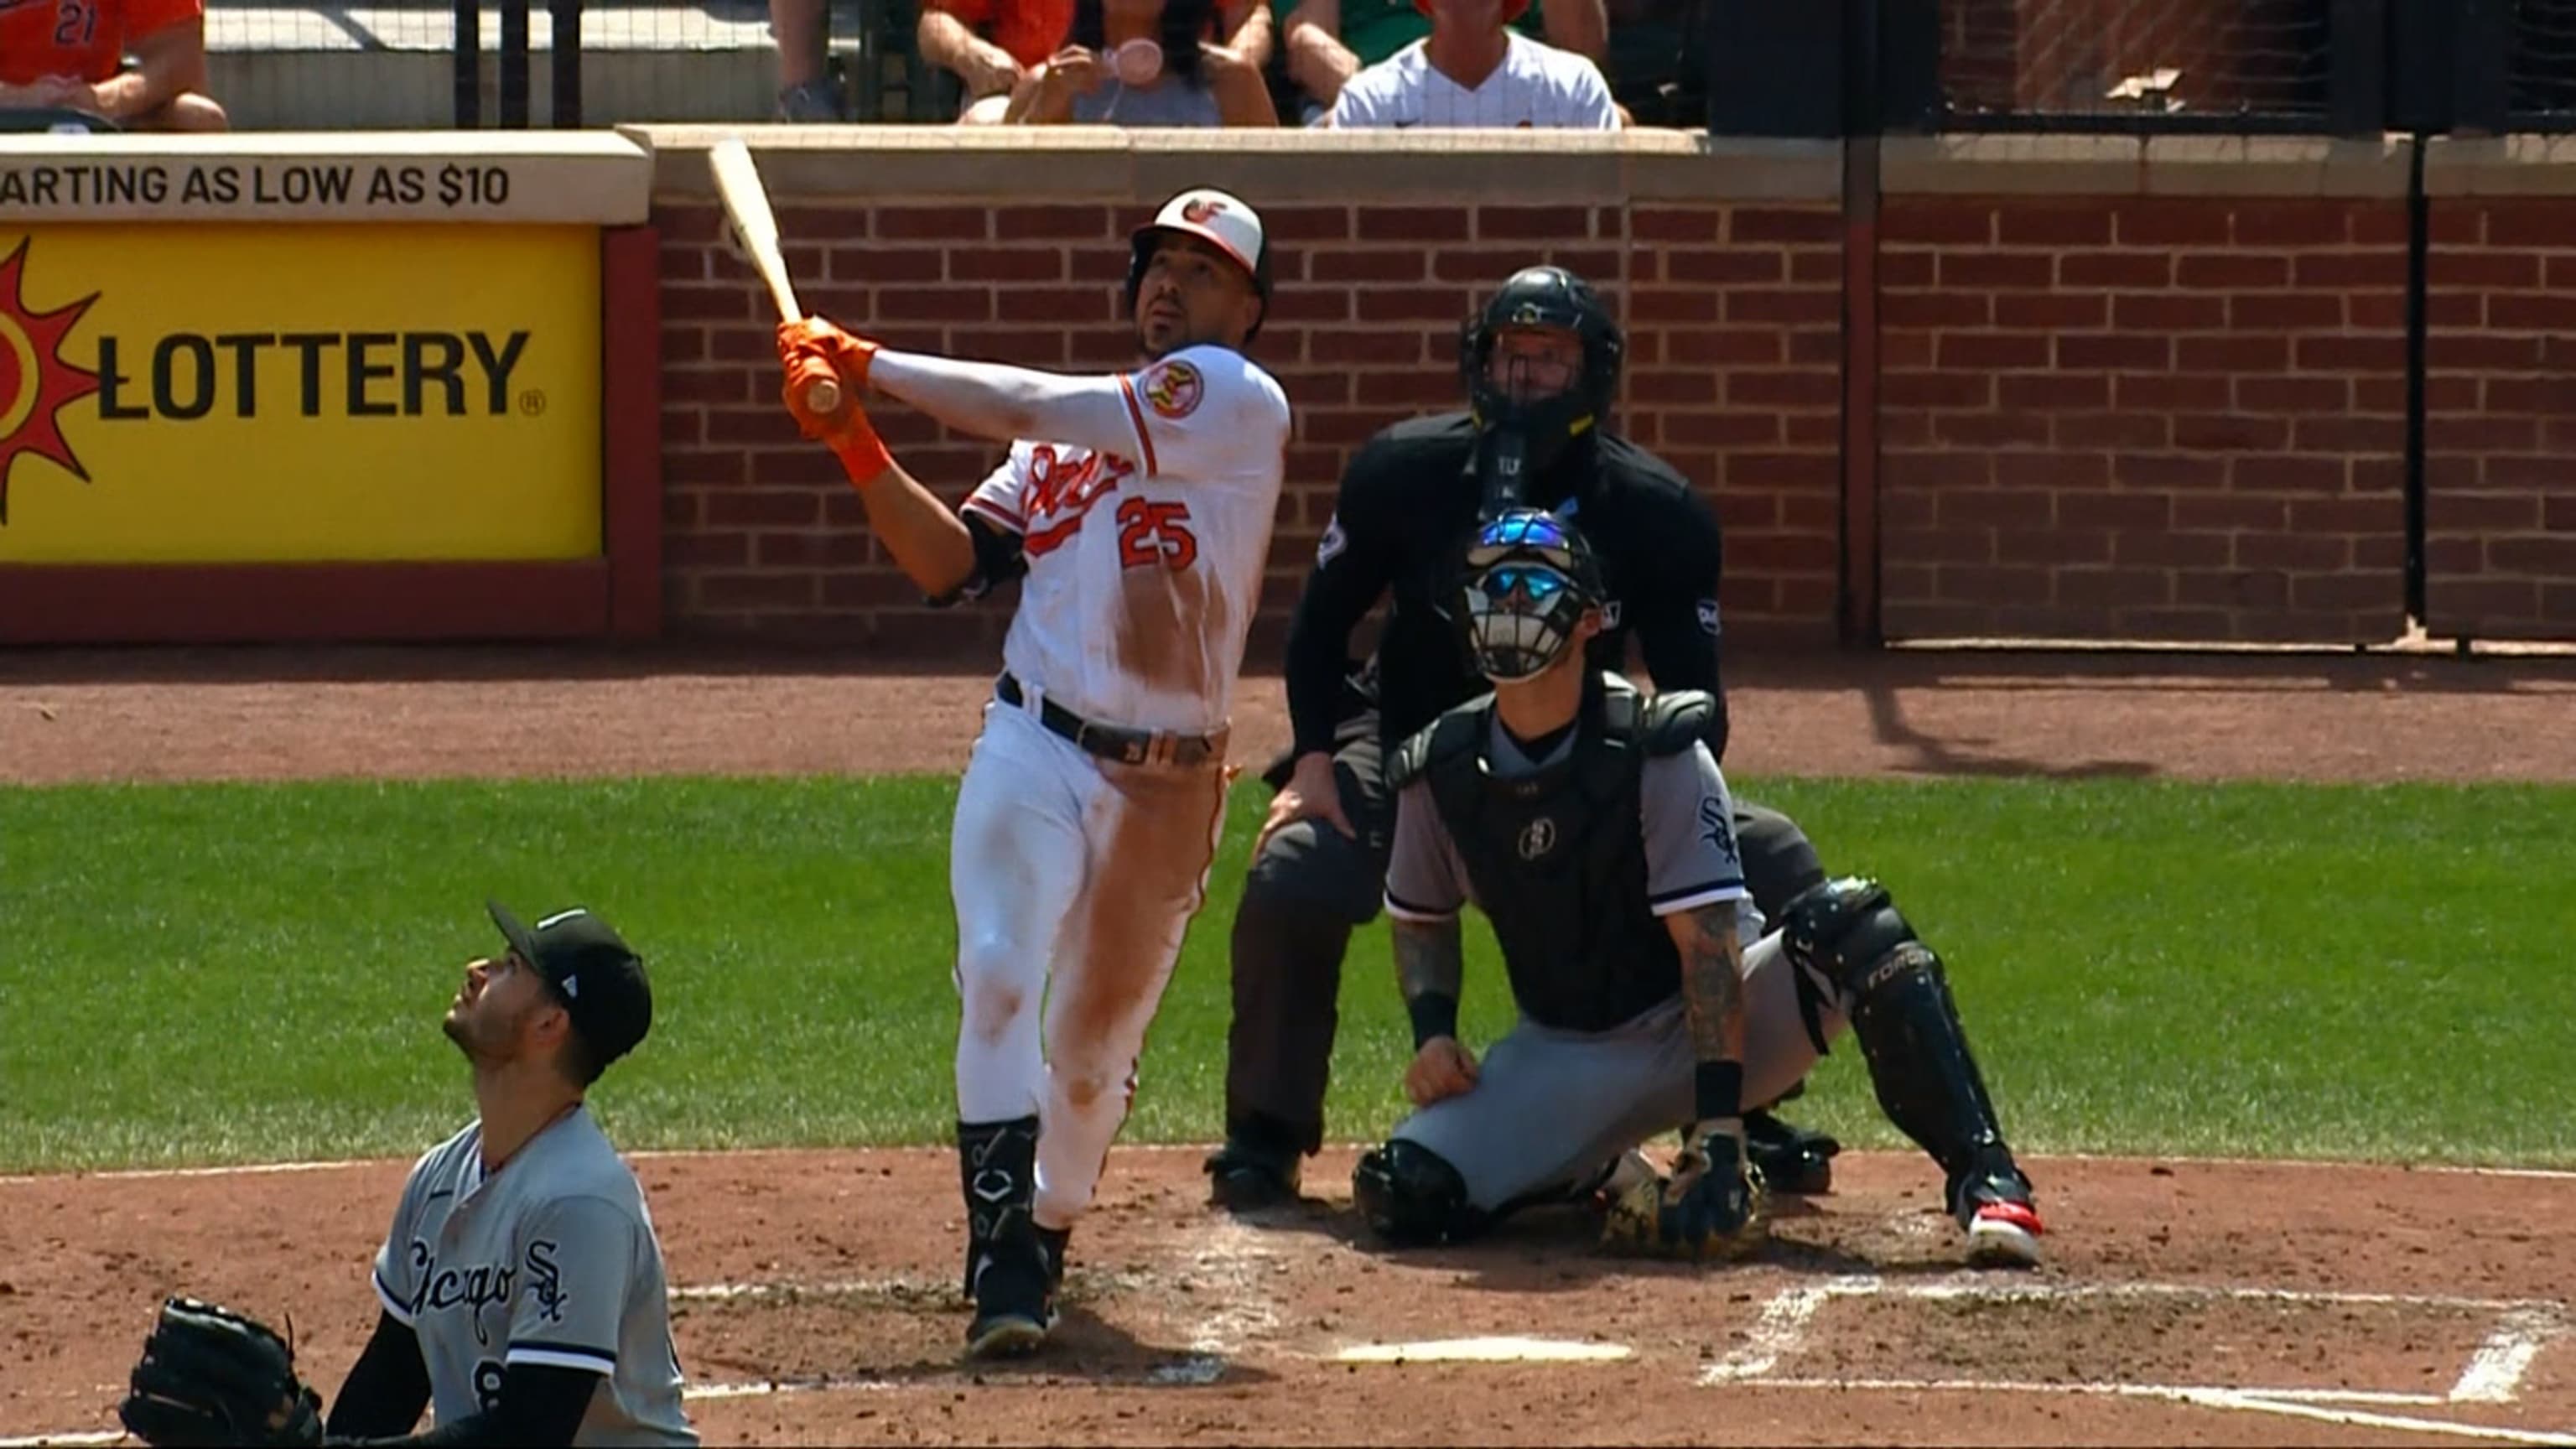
x=1401 y=523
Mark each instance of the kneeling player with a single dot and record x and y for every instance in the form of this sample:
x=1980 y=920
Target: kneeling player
x=1593 y=829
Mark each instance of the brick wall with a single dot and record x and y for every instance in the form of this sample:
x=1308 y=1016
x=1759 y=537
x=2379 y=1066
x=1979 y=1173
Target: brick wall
x=2500 y=418
x=1734 y=375
x=2148 y=392
x=2157 y=418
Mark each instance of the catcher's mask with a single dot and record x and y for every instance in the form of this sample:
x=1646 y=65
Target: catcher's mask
x=1214 y=217
x=1529 y=577
x=1542 y=297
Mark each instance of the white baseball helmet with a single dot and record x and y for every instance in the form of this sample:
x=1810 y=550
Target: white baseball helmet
x=1217 y=218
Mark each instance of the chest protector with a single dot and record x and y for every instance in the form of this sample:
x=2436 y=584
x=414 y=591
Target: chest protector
x=1557 y=858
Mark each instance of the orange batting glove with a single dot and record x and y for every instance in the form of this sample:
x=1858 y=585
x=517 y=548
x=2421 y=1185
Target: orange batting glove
x=848 y=353
x=814 y=350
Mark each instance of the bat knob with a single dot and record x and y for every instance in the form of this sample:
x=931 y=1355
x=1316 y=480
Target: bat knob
x=823 y=396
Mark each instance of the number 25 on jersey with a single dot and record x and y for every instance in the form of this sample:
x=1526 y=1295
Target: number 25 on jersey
x=1151 y=532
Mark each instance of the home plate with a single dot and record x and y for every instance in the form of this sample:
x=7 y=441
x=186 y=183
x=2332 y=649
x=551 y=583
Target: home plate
x=1485 y=1350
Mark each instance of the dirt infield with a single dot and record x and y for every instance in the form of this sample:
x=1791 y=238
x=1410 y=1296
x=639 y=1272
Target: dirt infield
x=2183 y=1302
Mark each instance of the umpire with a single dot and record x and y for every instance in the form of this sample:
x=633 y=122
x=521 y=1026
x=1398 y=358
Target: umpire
x=1541 y=364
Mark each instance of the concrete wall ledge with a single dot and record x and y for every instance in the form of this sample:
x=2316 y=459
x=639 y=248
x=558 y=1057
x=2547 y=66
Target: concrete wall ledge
x=2014 y=165
x=2500 y=166
x=490 y=177
x=1296 y=165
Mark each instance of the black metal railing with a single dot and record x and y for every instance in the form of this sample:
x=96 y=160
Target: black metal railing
x=2357 y=68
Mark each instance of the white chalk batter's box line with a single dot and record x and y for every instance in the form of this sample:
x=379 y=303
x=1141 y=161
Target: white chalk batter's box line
x=2493 y=1374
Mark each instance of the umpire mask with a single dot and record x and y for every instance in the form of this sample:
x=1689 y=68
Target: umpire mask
x=1529 y=578
x=1521 y=432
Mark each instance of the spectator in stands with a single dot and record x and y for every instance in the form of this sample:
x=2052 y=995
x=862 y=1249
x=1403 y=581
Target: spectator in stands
x=70 y=54
x=807 y=90
x=992 y=46
x=1329 y=41
x=1474 y=70
x=1143 y=63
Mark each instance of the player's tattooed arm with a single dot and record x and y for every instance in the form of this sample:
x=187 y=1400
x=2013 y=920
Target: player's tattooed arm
x=1430 y=962
x=1712 y=991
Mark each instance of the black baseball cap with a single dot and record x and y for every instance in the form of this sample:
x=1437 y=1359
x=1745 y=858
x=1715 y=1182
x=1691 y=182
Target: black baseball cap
x=599 y=977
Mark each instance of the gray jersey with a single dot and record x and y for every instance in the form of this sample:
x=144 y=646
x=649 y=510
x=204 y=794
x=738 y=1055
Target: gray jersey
x=1686 y=816
x=552 y=1261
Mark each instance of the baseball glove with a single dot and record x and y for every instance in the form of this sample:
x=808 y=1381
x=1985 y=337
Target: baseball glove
x=212 y=1376
x=1712 y=1207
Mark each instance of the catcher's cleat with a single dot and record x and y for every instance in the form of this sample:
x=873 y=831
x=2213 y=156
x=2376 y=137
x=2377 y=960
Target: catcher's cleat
x=1794 y=1161
x=1244 y=1177
x=1993 y=1204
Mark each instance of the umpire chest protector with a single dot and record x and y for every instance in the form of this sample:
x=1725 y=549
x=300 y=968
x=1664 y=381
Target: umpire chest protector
x=1557 y=858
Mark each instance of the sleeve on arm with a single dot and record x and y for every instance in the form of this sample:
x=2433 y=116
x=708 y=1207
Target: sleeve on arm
x=1689 y=824
x=387 y=1387
x=1677 y=619
x=1595 y=108
x=996 y=518
x=1202 y=413
x=576 y=1258
x=1425 y=881
x=396 y=1275
x=1002 y=498
x=1353 y=566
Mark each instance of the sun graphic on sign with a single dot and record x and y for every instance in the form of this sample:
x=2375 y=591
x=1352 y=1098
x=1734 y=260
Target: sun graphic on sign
x=36 y=382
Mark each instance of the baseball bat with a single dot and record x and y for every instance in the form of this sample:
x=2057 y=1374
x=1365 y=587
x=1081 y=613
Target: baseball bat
x=746 y=202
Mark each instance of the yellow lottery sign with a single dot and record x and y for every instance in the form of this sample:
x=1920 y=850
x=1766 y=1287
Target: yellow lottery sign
x=241 y=393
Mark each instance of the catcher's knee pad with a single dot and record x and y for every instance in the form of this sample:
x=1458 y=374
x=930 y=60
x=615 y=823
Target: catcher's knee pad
x=1780 y=862
x=1847 y=936
x=1411 y=1196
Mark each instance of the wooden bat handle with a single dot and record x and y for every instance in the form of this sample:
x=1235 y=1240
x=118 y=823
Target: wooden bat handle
x=817 y=385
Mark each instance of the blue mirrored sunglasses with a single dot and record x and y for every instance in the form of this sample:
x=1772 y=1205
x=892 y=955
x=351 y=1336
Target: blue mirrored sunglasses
x=1541 y=584
x=1540 y=530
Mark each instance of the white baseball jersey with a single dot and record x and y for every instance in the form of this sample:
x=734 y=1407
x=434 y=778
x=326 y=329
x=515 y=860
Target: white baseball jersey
x=1144 y=568
x=1537 y=85
x=551 y=1261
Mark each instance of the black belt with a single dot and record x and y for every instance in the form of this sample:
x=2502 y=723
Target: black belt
x=1114 y=742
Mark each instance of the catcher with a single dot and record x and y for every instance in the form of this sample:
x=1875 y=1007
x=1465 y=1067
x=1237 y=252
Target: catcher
x=1592 y=827
x=521 y=1285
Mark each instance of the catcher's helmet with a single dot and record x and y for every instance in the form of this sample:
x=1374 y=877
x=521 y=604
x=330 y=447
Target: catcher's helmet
x=1543 y=297
x=1214 y=217
x=1529 y=577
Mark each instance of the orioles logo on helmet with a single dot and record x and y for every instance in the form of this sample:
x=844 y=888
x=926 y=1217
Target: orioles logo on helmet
x=1197 y=210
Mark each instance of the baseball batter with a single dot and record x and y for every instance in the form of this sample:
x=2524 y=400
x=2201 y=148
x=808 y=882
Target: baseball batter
x=1136 y=508
x=520 y=1285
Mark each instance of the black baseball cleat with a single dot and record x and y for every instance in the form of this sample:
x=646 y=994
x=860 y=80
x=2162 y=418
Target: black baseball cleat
x=1794 y=1161
x=1245 y=1177
x=1992 y=1202
x=1014 y=1288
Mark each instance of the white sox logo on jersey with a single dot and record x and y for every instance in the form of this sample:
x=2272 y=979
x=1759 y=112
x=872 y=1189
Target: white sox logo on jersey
x=483 y=1284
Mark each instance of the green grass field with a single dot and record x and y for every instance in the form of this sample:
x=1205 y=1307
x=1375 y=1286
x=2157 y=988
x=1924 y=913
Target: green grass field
x=235 y=973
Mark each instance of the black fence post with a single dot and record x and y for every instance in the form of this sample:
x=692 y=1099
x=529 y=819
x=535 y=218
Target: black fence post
x=1908 y=63
x=514 y=65
x=1774 y=69
x=2357 y=68
x=566 y=19
x=2481 y=74
x=469 y=64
